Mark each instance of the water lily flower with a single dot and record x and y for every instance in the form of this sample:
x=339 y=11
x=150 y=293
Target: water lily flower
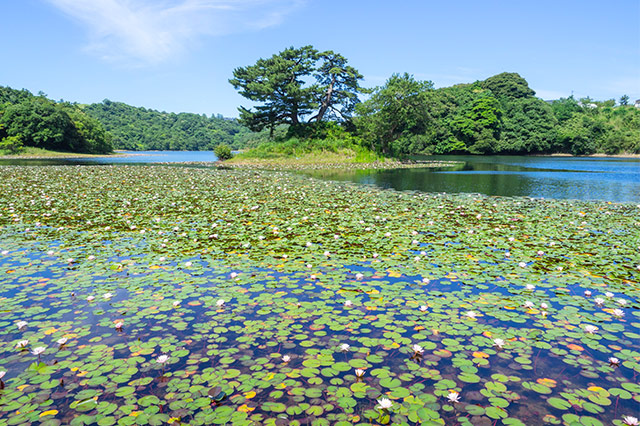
x=233 y=275
x=90 y=298
x=630 y=420
x=220 y=303
x=119 y=325
x=286 y=358
x=587 y=293
x=359 y=372
x=91 y=257
x=5 y=252
x=162 y=359
x=614 y=361
x=417 y=349
x=499 y=343
x=309 y=244
x=453 y=396
x=21 y=324
x=62 y=341
x=188 y=264
x=359 y=276
x=618 y=313
x=50 y=252
x=590 y=329
x=2 y=373
x=107 y=295
x=22 y=344
x=38 y=350
x=426 y=280
x=176 y=303
x=385 y=403
x=344 y=347
x=622 y=302
x=348 y=303
x=530 y=287
x=423 y=308
x=609 y=294
x=599 y=301
x=540 y=253
x=522 y=264
x=528 y=304
x=327 y=254
x=470 y=314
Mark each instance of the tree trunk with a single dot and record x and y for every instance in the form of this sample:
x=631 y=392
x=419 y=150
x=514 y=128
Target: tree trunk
x=327 y=100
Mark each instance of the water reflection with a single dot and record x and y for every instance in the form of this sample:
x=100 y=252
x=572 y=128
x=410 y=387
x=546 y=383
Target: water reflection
x=609 y=179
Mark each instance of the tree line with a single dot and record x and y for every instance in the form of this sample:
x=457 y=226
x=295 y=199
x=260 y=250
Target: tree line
x=141 y=129
x=500 y=115
x=29 y=120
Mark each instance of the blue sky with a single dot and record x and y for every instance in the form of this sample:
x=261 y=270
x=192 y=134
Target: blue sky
x=177 y=55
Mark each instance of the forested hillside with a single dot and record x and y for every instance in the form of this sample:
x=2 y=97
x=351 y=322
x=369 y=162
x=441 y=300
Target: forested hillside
x=136 y=128
x=29 y=120
x=499 y=115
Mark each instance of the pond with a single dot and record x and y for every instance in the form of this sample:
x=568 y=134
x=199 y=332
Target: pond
x=601 y=178
x=134 y=294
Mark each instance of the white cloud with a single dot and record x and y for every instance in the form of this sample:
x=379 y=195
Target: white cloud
x=151 y=31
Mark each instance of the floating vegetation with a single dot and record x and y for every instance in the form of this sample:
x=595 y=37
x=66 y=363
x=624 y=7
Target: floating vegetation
x=173 y=295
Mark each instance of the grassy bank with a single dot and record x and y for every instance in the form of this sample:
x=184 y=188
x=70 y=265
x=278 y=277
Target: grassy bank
x=33 y=152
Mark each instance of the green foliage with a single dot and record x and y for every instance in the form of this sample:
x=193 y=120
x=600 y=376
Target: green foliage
x=498 y=115
x=223 y=152
x=11 y=144
x=136 y=129
x=282 y=85
x=39 y=122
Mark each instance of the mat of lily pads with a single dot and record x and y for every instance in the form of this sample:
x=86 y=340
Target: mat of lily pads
x=174 y=295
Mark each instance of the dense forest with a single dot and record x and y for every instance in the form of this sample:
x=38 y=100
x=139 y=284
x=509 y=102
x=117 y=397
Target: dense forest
x=499 y=115
x=136 y=128
x=29 y=120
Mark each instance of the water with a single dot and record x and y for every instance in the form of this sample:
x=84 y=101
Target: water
x=600 y=178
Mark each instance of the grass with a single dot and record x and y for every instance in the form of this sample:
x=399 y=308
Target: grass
x=34 y=152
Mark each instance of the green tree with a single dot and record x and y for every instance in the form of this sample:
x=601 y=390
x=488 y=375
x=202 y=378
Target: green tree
x=399 y=109
x=223 y=152
x=508 y=85
x=624 y=100
x=282 y=86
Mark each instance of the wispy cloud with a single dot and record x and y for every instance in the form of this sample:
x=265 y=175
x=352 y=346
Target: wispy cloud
x=152 y=31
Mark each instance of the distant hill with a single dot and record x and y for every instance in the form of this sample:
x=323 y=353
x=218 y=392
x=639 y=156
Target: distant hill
x=27 y=120
x=139 y=129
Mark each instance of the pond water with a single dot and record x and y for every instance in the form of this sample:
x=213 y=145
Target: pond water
x=606 y=178
x=602 y=178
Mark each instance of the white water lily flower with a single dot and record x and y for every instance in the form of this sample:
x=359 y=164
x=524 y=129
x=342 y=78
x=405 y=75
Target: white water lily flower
x=90 y=298
x=359 y=372
x=107 y=295
x=630 y=420
x=609 y=294
x=188 y=264
x=426 y=280
x=21 y=324
x=385 y=403
x=618 y=313
x=92 y=257
x=530 y=287
x=119 y=325
x=423 y=308
x=522 y=264
x=22 y=344
x=453 y=397
x=359 y=276
x=528 y=304
x=419 y=350
x=599 y=301
x=62 y=340
x=162 y=359
x=470 y=314
x=348 y=303
x=613 y=360
x=2 y=373
x=286 y=358
x=233 y=275
x=544 y=305
x=38 y=350
x=344 y=347
x=176 y=303
x=499 y=343
x=590 y=329
x=309 y=244
x=327 y=254
x=587 y=293
x=622 y=302
x=220 y=303
x=540 y=253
